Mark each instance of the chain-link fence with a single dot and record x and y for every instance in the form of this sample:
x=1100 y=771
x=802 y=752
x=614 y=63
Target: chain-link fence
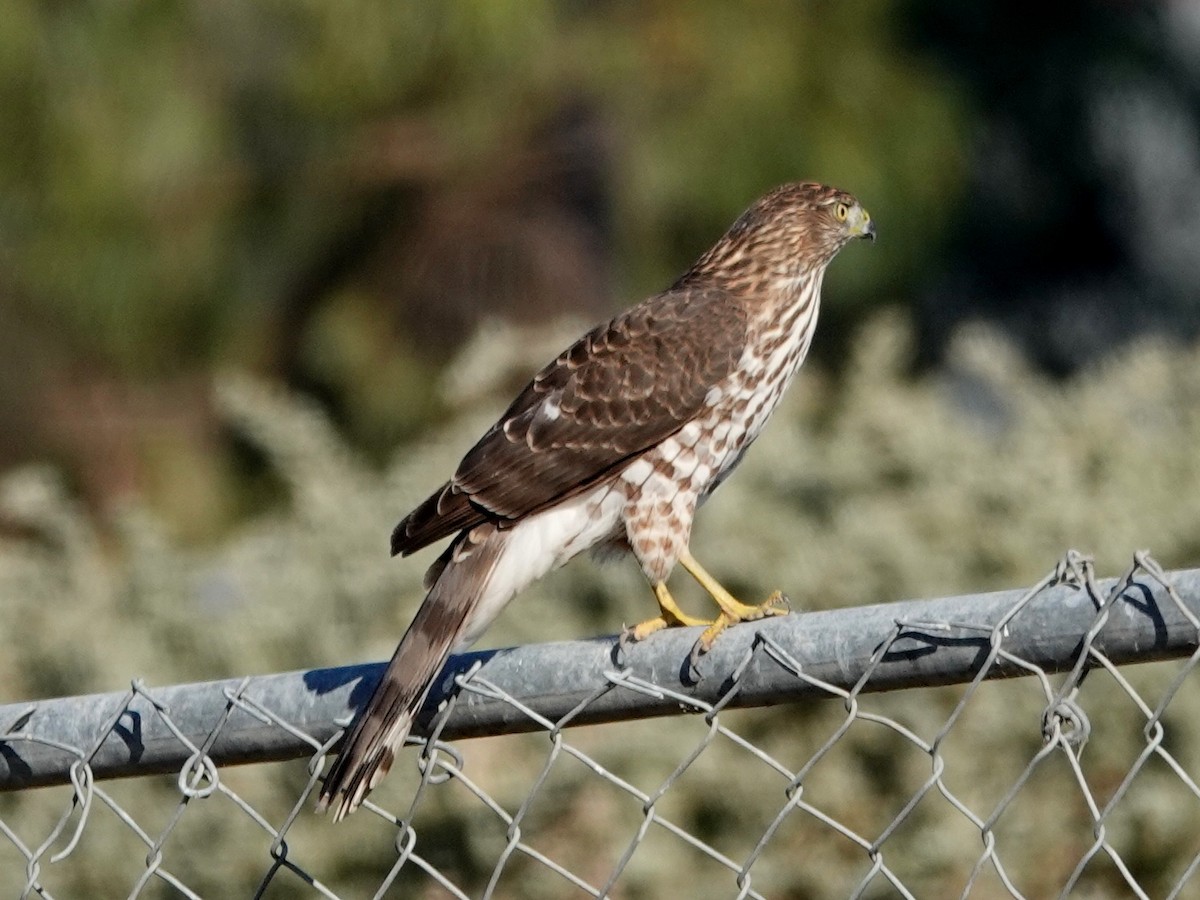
x=978 y=789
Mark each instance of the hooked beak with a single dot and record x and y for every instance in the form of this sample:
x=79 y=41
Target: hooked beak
x=862 y=226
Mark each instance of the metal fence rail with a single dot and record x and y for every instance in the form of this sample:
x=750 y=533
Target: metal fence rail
x=1069 y=622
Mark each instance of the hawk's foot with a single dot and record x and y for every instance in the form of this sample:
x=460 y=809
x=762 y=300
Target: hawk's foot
x=671 y=616
x=733 y=612
x=777 y=604
x=732 y=609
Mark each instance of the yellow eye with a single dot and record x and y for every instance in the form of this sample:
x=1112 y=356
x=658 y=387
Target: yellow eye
x=841 y=211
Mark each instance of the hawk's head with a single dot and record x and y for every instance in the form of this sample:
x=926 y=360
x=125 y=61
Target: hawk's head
x=805 y=218
x=795 y=229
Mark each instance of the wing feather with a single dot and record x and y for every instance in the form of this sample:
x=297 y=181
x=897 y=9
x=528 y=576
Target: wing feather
x=616 y=392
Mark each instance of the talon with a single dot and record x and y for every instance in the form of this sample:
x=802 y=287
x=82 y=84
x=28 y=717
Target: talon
x=623 y=640
x=778 y=604
x=707 y=639
x=698 y=650
x=710 y=634
x=632 y=634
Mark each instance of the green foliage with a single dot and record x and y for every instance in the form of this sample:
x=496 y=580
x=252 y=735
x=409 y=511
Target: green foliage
x=166 y=172
x=862 y=491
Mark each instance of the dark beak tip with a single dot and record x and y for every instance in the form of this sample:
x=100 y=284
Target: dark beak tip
x=869 y=232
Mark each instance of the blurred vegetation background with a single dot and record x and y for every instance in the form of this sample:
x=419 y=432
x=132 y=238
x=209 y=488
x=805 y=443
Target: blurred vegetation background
x=268 y=269
x=335 y=196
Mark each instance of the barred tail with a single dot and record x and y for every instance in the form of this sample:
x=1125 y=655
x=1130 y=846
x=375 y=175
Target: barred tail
x=368 y=751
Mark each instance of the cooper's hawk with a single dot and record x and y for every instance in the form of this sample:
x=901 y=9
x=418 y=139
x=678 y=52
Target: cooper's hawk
x=614 y=443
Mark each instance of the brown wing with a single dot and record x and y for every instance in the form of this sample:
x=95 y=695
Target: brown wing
x=619 y=390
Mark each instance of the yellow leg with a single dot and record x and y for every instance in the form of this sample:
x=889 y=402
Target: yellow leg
x=732 y=610
x=671 y=616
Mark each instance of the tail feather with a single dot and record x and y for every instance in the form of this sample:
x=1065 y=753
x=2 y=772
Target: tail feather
x=448 y=510
x=370 y=748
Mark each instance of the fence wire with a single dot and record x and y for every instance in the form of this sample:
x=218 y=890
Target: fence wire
x=975 y=790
